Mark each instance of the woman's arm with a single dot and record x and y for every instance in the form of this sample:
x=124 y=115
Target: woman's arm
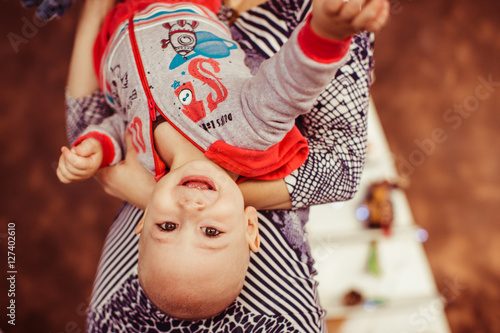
x=266 y=194
x=128 y=180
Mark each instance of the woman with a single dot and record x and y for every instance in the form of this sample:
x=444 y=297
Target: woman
x=279 y=293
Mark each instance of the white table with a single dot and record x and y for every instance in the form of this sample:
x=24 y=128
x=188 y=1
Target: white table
x=340 y=245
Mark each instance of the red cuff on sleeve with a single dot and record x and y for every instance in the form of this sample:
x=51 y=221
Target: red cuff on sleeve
x=320 y=49
x=108 y=150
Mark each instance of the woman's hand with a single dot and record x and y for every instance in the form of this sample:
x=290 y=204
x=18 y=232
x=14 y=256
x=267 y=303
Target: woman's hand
x=128 y=180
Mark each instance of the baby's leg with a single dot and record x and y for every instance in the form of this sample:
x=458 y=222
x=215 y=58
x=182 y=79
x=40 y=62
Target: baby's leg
x=82 y=80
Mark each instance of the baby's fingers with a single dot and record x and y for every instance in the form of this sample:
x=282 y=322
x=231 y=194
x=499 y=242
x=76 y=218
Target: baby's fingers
x=74 y=167
x=373 y=16
x=352 y=8
x=74 y=162
x=381 y=20
x=63 y=173
x=330 y=7
x=87 y=147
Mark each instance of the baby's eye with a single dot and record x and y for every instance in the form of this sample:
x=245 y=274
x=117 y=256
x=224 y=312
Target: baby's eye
x=211 y=232
x=167 y=226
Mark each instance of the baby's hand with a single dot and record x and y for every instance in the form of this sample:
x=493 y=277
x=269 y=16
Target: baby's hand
x=340 y=19
x=81 y=162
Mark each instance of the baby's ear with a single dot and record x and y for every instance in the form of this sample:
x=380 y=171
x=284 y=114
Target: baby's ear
x=140 y=225
x=252 y=228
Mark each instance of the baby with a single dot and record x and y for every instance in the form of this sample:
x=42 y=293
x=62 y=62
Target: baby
x=179 y=84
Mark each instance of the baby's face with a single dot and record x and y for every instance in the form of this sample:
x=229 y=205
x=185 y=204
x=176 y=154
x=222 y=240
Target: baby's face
x=195 y=238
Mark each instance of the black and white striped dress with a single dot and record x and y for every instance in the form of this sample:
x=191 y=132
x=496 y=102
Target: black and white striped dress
x=279 y=294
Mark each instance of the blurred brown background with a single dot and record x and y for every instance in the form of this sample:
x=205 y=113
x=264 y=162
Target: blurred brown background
x=432 y=62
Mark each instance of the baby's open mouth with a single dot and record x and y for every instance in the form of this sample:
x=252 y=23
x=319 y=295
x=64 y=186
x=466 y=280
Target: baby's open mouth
x=198 y=182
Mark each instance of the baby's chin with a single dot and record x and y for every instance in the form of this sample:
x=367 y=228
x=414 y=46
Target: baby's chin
x=201 y=165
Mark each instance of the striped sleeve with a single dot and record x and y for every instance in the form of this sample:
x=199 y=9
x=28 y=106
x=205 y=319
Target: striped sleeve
x=267 y=27
x=119 y=257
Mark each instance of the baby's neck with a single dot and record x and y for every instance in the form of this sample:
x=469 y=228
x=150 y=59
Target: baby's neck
x=175 y=150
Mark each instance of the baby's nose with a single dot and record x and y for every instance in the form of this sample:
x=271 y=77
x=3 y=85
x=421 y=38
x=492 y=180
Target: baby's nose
x=193 y=203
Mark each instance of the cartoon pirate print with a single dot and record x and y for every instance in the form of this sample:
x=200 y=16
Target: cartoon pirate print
x=181 y=36
x=188 y=42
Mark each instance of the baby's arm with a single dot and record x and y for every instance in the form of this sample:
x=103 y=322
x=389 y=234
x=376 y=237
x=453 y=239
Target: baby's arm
x=82 y=80
x=288 y=84
x=85 y=104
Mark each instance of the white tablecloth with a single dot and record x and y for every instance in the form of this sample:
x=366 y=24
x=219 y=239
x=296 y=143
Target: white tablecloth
x=404 y=297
